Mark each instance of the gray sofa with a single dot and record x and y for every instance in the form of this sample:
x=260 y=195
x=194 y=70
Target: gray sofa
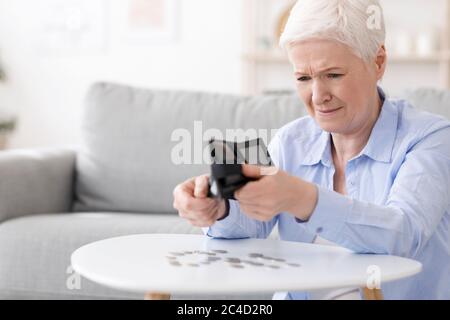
x=119 y=181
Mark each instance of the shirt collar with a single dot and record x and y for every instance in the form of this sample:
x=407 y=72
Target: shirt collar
x=379 y=146
x=320 y=150
x=382 y=138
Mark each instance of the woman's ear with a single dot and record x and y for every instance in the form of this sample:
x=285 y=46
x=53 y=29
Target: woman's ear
x=380 y=61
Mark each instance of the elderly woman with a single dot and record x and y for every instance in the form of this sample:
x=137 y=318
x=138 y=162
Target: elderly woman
x=362 y=171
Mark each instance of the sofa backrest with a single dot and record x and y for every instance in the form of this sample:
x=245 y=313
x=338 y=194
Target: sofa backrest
x=430 y=99
x=130 y=138
x=131 y=135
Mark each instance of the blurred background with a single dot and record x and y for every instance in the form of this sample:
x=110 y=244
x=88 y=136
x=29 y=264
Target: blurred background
x=52 y=50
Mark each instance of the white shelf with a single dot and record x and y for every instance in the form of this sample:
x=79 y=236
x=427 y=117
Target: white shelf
x=260 y=65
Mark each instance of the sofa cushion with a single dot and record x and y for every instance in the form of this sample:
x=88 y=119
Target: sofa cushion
x=125 y=162
x=31 y=269
x=41 y=269
x=431 y=100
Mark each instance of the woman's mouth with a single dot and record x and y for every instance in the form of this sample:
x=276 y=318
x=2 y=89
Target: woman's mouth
x=328 y=112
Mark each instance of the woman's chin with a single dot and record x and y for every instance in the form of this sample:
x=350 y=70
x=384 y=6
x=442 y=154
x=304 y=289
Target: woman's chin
x=330 y=126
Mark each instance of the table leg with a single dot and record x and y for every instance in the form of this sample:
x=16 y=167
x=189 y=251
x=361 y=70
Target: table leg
x=372 y=294
x=156 y=296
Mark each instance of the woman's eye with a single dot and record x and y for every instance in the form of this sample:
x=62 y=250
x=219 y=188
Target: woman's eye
x=303 y=78
x=334 y=75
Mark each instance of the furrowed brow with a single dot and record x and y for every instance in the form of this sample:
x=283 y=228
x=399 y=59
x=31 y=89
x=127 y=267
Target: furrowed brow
x=298 y=73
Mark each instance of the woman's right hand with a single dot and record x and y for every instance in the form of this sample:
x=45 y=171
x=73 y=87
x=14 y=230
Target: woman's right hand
x=193 y=204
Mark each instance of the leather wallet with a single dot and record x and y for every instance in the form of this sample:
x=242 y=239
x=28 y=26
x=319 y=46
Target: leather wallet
x=226 y=168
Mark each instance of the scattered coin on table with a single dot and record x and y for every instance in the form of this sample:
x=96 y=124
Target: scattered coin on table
x=220 y=251
x=193 y=265
x=195 y=258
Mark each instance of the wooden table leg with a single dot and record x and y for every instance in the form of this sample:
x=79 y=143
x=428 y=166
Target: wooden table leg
x=156 y=296
x=372 y=294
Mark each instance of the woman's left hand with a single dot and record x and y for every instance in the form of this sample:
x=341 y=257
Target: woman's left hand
x=275 y=191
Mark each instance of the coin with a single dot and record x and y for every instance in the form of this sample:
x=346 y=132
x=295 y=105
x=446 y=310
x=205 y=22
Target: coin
x=220 y=251
x=205 y=253
x=192 y=264
x=293 y=264
x=266 y=258
x=254 y=263
x=274 y=267
x=177 y=254
x=175 y=264
x=213 y=258
x=273 y=259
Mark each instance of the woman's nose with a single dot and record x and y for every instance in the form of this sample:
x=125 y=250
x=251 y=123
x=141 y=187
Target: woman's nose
x=320 y=93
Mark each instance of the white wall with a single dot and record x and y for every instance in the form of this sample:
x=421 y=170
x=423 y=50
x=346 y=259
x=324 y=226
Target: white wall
x=411 y=17
x=407 y=17
x=46 y=90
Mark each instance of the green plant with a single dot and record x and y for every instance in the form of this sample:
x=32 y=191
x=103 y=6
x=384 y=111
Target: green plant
x=7 y=126
x=2 y=74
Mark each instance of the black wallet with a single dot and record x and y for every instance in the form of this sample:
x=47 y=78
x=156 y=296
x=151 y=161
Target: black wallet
x=227 y=157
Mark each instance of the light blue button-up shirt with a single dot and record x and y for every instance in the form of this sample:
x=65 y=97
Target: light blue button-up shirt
x=397 y=202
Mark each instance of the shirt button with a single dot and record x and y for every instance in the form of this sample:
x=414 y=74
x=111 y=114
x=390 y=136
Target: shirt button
x=319 y=230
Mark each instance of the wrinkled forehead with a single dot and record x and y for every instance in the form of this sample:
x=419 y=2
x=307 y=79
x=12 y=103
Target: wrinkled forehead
x=317 y=55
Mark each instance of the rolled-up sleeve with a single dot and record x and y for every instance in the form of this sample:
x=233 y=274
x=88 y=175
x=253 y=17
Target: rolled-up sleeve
x=417 y=201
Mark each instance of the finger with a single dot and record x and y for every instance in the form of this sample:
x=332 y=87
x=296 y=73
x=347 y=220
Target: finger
x=251 y=171
x=191 y=218
x=205 y=220
x=184 y=197
x=186 y=186
x=201 y=186
x=268 y=171
x=188 y=203
x=201 y=206
x=204 y=212
x=249 y=191
x=183 y=190
x=207 y=217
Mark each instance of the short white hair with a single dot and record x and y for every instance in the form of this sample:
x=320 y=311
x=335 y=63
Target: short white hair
x=359 y=24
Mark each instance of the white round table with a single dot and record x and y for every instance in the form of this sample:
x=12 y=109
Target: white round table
x=176 y=263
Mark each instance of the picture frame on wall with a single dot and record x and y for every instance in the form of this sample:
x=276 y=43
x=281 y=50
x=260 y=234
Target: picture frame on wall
x=71 y=27
x=151 y=21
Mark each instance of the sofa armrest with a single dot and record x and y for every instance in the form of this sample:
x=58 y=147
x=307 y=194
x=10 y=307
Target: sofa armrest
x=36 y=181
